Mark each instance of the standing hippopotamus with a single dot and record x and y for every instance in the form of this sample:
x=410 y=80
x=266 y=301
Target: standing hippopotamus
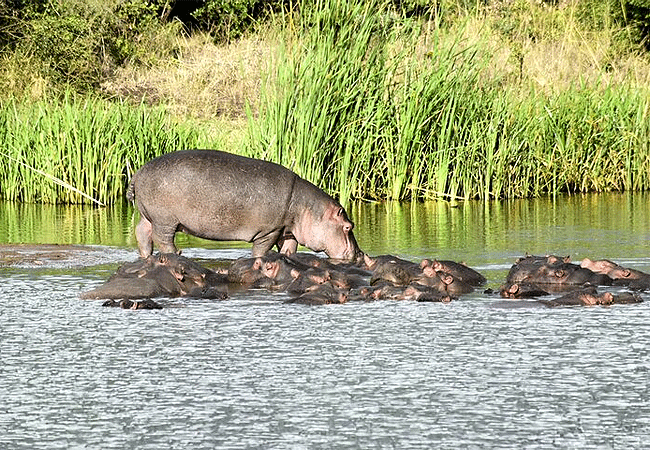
x=225 y=197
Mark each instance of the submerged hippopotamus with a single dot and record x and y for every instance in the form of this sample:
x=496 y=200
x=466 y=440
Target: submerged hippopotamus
x=459 y=271
x=161 y=275
x=225 y=197
x=590 y=296
x=400 y=272
x=635 y=279
x=554 y=271
x=146 y=303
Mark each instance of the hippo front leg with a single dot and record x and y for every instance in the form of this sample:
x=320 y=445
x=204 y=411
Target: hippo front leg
x=287 y=244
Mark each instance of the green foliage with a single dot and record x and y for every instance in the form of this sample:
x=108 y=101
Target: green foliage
x=227 y=20
x=637 y=12
x=364 y=100
x=370 y=108
x=130 y=20
x=74 y=43
x=90 y=144
x=66 y=48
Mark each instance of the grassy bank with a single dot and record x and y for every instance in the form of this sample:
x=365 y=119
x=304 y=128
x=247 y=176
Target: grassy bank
x=381 y=109
x=81 y=150
x=515 y=99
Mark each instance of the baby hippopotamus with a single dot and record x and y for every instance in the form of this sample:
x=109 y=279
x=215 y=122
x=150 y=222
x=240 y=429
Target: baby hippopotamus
x=225 y=197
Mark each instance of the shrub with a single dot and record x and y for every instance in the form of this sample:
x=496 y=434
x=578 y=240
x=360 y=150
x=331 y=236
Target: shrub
x=230 y=19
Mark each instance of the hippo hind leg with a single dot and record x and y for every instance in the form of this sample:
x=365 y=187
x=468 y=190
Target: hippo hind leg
x=163 y=237
x=143 y=234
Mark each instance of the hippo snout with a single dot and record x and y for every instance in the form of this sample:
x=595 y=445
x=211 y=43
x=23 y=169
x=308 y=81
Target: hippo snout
x=350 y=253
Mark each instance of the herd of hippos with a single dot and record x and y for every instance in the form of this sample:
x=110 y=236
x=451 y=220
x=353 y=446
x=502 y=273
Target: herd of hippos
x=221 y=196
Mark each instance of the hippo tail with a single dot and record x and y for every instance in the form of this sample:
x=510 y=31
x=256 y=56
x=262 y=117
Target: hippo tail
x=130 y=192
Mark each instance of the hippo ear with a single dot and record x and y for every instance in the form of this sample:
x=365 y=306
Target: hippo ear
x=446 y=278
x=257 y=265
x=428 y=271
x=559 y=273
x=342 y=219
x=513 y=289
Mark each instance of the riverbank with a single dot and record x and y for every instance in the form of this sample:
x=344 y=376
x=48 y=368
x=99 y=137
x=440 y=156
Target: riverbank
x=365 y=102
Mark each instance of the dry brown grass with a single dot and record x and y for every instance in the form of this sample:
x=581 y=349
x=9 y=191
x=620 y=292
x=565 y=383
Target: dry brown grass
x=551 y=55
x=547 y=49
x=204 y=81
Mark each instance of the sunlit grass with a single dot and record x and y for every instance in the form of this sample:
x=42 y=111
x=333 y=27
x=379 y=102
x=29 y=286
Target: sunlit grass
x=364 y=103
x=376 y=109
x=89 y=144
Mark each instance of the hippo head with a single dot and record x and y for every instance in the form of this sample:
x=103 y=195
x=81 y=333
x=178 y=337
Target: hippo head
x=607 y=267
x=328 y=231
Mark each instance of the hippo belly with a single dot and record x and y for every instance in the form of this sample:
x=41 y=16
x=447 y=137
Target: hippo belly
x=237 y=219
x=213 y=195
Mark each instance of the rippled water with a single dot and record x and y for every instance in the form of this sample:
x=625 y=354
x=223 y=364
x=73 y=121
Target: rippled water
x=251 y=372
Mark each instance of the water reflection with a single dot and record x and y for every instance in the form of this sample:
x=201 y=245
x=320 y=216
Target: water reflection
x=607 y=225
x=67 y=224
x=596 y=225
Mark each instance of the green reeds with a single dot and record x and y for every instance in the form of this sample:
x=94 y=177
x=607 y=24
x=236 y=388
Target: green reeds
x=369 y=105
x=90 y=144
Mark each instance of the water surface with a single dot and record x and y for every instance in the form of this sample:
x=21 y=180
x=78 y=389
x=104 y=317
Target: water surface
x=251 y=372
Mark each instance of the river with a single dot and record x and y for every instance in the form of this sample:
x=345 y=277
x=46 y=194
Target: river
x=252 y=372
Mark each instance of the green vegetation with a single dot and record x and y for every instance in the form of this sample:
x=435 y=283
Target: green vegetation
x=367 y=99
x=372 y=108
x=90 y=144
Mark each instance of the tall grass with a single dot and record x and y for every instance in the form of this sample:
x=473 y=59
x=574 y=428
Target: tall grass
x=89 y=144
x=369 y=105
